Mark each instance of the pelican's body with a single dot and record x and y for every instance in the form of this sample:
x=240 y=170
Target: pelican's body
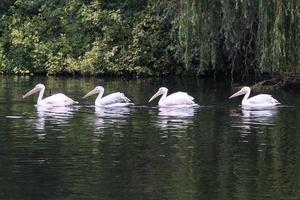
x=54 y=100
x=113 y=100
x=178 y=99
x=258 y=101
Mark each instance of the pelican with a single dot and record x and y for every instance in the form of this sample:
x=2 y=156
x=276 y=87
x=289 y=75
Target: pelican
x=258 y=101
x=178 y=99
x=54 y=100
x=114 y=99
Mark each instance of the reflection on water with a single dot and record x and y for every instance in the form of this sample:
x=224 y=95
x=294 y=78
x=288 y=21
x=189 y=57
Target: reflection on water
x=176 y=112
x=112 y=112
x=264 y=117
x=111 y=116
x=174 y=118
x=252 y=118
x=58 y=115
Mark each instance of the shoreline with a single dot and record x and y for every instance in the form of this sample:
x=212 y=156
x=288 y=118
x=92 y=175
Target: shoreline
x=263 y=83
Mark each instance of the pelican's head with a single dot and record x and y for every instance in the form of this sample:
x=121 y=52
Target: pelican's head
x=242 y=91
x=37 y=88
x=161 y=91
x=96 y=90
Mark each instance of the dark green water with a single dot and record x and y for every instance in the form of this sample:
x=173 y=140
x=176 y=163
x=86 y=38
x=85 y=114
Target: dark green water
x=217 y=151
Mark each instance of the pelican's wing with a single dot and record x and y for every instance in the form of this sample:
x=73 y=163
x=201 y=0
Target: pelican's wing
x=114 y=98
x=263 y=99
x=179 y=98
x=58 y=100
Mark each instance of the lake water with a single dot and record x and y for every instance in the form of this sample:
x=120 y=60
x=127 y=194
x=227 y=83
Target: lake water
x=217 y=151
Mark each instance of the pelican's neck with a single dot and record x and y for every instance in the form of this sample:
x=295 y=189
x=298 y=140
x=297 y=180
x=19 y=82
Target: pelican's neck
x=99 y=96
x=246 y=96
x=41 y=94
x=164 y=95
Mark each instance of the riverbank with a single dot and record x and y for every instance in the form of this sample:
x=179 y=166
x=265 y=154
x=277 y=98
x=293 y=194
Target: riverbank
x=258 y=84
x=278 y=83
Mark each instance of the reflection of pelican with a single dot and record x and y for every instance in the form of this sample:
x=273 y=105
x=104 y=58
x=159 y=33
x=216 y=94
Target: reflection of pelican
x=261 y=116
x=114 y=99
x=253 y=118
x=111 y=116
x=57 y=114
x=175 y=118
x=261 y=100
x=176 y=112
x=112 y=112
x=54 y=100
x=178 y=99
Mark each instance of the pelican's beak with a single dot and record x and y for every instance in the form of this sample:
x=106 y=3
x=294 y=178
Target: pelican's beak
x=155 y=95
x=34 y=90
x=94 y=91
x=241 y=92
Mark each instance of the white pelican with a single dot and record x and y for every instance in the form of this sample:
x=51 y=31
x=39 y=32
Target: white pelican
x=114 y=99
x=54 y=100
x=178 y=99
x=258 y=101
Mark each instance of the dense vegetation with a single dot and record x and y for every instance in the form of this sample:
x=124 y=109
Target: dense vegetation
x=150 y=37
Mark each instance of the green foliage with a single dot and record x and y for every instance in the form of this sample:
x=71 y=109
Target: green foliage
x=158 y=37
x=242 y=36
x=2 y=59
x=279 y=36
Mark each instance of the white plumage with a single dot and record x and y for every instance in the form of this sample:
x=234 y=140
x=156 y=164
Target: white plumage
x=178 y=99
x=258 y=101
x=54 y=100
x=114 y=99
